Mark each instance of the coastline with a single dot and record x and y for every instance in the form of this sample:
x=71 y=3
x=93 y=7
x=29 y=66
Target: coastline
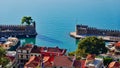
x=105 y=38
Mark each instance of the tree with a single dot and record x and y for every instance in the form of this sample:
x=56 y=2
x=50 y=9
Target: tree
x=91 y=45
x=81 y=53
x=3 y=60
x=107 y=60
x=2 y=52
x=71 y=53
x=27 y=20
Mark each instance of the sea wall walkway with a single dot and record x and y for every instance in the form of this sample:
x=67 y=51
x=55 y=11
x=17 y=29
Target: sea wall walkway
x=18 y=30
x=106 y=38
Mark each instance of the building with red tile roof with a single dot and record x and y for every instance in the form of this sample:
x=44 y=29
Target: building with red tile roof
x=63 y=61
x=52 y=51
x=48 y=65
x=25 y=47
x=77 y=64
x=23 y=54
x=48 y=61
x=114 y=64
x=92 y=62
x=35 y=51
x=82 y=63
x=115 y=49
x=90 y=57
x=117 y=44
x=33 y=62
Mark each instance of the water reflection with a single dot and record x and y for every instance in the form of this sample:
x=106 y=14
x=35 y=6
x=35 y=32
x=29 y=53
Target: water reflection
x=28 y=40
x=77 y=41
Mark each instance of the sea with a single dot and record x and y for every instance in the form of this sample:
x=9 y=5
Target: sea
x=55 y=19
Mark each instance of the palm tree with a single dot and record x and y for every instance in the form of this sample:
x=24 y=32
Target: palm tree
x=27 y=20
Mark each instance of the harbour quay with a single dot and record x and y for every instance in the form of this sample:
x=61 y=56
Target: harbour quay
x=19 y=31
x=83 y=31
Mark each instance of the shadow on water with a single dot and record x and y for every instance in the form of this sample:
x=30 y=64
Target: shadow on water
x=48 y=39
x=77 y=41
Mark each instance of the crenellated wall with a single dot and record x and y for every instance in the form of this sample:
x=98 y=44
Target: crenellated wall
x=17 y=30
x=85 y=30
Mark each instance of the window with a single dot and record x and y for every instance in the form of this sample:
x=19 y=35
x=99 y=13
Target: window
x=27 y=51
x=24 y=51
x=19 y=51
x=26 y=56
x=21 y=61
x=21 y=56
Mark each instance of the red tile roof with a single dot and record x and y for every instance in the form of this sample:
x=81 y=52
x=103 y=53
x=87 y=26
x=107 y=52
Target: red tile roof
x=33 y=61
x=82 y=63
x=29 y=65
x=117 y=44
x=54 y=49
x=114 y=64
x=63 y=61
x=26 y=47
x=45 y=59
x=48 y=64
x=29 y=45
x=35 y=49
x=90 y=56
x=77 y=63
x=47 y=51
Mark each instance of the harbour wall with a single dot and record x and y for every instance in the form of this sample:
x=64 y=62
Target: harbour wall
x=20 y=31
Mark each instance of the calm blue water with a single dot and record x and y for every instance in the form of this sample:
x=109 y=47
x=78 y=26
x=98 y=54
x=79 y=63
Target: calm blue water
x=56 y=18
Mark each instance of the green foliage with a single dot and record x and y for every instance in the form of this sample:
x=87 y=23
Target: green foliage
x=89 y=45
x=78 y=57
x=3 y=60
x=71 y=53
x=92 y=45
x=2 y=52
x=99 y=56
x=81 y=52
x=107 y=60
x=27 y=20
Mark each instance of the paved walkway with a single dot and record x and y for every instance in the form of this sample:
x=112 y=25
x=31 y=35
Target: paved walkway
x=106 y=38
